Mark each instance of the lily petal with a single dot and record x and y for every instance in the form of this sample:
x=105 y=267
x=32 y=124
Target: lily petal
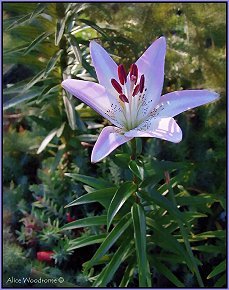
x=106 y=68
x=109 y=139
x=179 y=101
x=163 y=128
x=151 y=64
x=95 y=96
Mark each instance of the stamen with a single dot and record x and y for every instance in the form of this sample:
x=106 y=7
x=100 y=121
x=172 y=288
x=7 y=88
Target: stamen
x=122 y=74
x=123 y=98
x=142 y=83
x=134 y=73
x=136 y=90
x=116 y=86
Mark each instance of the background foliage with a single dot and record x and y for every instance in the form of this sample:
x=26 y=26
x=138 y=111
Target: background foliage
x=47 y=133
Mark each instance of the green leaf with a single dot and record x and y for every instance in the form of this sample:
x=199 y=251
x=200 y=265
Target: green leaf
x=167 y=273
x=20 y=99
x=60 y=130
x=210 y=248
x=88 y=68
x=86 y=241
x=91 y=181
x=157 y=198
x=121 y=159
x=75 y=48
x=86 y=222
x=128 y=273
x=60 y=26
x=52 y=62
x=46 y=141
x=218 y=269
x=102 y=196
x=221 y=281
x=111 y=238
x=36 y=41
x=165 y=240
x=70 y=111
x=136 y=169
x=210 y=234
x=96 y=27
x=139 y=222
x=120 y=197
x=119 y=256
x=37 y=78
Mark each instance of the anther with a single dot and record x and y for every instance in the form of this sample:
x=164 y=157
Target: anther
x=122 y=74
x=116 y=86
x=123 y=98
x=136 y=90
x=142 y=83
x=134 y=73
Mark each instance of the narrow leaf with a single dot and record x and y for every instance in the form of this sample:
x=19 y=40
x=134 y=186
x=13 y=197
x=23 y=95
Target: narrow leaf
x=102 y=196
x=86 y=241
x=112 y=237
x=60 y=130
x=52 y=62
x=221 y=281
x=218 y=269
x=46 y=141
x=60 y=26
x=76 y=48
x=85 y=222
x=168 y=273
x=157 y=198
x=36 y=41
x=91 y=181
x=120 y=197
x=128 y=273
x=20 y=99
x=139 y=222
x=96 y=27
x=70 y=111
x=119 y=256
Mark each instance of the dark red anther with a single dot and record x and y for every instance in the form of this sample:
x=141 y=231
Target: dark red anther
x=134 y=73
x=116 y=86
x=136 y=90
x=123 y=98
x=122 y=74
x=142 y=83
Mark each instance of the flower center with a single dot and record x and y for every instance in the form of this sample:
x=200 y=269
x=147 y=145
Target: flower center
x=130 y=91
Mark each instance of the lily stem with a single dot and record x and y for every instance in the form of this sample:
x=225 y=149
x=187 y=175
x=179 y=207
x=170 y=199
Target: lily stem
x=186 y=241
x=134 y=149
x=134 y=157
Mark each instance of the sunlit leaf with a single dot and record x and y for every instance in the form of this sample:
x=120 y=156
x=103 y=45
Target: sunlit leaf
x=47 y=140
x=36 y=41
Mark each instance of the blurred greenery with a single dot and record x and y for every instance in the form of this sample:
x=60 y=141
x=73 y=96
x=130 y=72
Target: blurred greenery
x=44 y=43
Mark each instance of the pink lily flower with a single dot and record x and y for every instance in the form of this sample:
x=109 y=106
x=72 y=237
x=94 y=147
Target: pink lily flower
x=133 y=102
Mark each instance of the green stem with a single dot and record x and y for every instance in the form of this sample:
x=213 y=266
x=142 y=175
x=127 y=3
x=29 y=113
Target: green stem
x=134 y=157
x=186 y=242
x=134 y=149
